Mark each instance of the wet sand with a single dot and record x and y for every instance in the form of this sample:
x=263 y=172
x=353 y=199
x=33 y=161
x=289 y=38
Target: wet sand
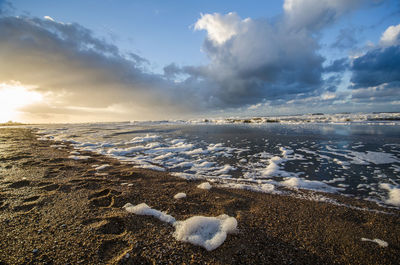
x=55 y=210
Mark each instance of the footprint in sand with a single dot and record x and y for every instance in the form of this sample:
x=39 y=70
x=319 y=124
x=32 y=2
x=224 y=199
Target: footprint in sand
x=65 y=188
x=25 y=207
x=28 y=204
x=30 y=163
x=113 y=226
x=99 y=194
x=3 y=204
x=31 y=199
x=51 y=174
x=102 y=202
x=119 y=201
x=103 y=198
x=51 y=187
x=107 y=226
x=20 y=184
x=111 y=251
x=48 y=186
x=88 y=183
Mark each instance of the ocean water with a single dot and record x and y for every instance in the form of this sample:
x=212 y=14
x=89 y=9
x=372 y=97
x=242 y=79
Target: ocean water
x=353 y=155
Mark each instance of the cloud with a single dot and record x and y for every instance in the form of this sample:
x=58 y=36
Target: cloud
x=261 y=61
x=338 y=65
x=316 y=14
x=256 y=60
x=255 y=106
x=220 y=28
x=376 y=73
x=323 y=101
x=71 y=67
x=384 y=93
x=49 y=18
x=391 y=36
x=332 y=82
x=376 y=67
x=347 y=38
x=171 y=70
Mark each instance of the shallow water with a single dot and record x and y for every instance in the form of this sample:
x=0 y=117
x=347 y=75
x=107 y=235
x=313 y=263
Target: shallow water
x=357 y=159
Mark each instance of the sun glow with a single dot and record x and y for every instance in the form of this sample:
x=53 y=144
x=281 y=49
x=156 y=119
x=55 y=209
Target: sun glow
x=14 y=96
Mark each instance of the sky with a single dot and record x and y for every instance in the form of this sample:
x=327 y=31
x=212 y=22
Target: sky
x=119 y=60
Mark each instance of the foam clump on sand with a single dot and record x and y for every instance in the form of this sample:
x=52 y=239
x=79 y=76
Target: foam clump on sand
x=102 y=167
x=394 y=194
x=79 y=157
x=207 y=232
x=152 y=167
x=266 y=188
x=144 y=209
x=180 y=195
x=204 y=186
x=298 y=183
x=380 y=242
x=184 y=175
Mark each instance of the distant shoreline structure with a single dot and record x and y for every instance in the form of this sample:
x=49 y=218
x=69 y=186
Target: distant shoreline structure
x=12 y=123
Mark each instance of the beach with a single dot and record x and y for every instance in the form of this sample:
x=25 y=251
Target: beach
x=58 y=210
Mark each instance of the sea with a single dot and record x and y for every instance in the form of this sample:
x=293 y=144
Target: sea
x=355 y=155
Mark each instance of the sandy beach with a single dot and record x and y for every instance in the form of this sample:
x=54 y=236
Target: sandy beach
x=57 y=210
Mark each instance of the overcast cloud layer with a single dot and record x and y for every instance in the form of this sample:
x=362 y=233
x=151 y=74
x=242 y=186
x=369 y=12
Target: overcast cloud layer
x=252 y=63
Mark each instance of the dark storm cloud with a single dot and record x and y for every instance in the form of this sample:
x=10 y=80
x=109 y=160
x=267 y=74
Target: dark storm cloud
x=376 y=76
x=337 y=66
x=376 y=67
x=331 y=83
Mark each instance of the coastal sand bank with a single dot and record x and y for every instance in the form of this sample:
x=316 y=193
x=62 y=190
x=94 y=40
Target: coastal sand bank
x=57 y=210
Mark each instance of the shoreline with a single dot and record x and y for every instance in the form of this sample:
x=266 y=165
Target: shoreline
x=56 y=209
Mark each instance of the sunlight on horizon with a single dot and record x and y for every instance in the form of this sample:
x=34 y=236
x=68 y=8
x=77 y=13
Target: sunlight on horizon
x=14 y=96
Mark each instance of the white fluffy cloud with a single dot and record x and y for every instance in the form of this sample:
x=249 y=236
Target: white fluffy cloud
x=220 y=28
x=391 y=36
x=257 y=61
